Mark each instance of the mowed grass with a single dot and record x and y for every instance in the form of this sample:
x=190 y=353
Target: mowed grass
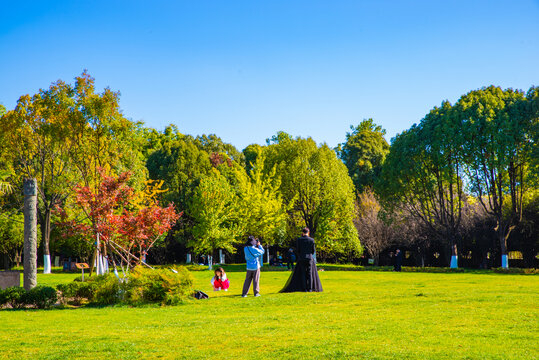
x=360 y=315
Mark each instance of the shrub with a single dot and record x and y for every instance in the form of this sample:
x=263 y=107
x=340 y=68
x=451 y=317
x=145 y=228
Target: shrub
x=160 y=285
x=516 y=271
x=108 y=290
x=75 y=292
x=142 y=285
x=12 y=296
x=42 y=297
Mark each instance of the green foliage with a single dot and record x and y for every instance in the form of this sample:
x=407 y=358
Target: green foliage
x=12 y=235
x=315 y=186
x=62 y=136
x=142 y=285
x=214 y=144
x=214 y=208
x=364 y=152
x=179 y=163
x=160 y=286
x=109 y=290
x=12 y=296
x=422 y=174
x=42 y=297
x=262 y=211
x=497 y=127
x=251 y=153
x=5 y=186
x=76 y=292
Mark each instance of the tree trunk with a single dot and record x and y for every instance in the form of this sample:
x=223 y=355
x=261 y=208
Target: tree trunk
x=17 y=257
x=6 y=262
x=92 y=262
x=30 y=233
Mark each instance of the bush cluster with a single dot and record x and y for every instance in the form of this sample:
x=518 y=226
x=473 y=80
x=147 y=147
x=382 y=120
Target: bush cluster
x=142 y=285
x=40 y=297
x=76 y=292
x=159 y=286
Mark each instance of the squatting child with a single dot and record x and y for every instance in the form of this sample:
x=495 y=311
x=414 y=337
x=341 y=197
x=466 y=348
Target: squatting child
x=220 y=281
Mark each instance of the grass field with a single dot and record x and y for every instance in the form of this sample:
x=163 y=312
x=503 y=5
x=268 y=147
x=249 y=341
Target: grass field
x=360 y=315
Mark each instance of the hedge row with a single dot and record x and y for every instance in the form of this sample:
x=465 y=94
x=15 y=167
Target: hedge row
x=167 y=286
x=439 y=270
x=40 y=297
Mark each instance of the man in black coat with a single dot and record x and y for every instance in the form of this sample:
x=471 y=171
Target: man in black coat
x=305 y=275
x=398 y=261
x=305 y=248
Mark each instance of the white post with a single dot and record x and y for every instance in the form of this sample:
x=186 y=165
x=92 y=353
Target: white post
x=46 y=264
x=221 y=257
x=210 y=262
x=188 y=259
x=505 y=262
x=267 y=254
x=99 y=270
x=454 y=262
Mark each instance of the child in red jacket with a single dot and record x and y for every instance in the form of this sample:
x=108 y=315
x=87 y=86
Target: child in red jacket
x=220 y=281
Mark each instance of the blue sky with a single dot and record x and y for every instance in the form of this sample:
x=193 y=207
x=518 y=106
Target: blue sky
x=247 y=69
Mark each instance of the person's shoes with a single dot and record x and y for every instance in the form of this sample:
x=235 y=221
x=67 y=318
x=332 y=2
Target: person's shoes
x=244 y=296
x=257 y=295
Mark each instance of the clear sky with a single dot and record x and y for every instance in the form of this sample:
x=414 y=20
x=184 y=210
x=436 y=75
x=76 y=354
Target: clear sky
x=247 y=69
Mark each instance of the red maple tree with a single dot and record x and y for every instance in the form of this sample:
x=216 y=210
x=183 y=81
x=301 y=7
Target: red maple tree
x=126 y=227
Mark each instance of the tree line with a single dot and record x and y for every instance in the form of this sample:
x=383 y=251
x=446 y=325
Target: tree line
x=462 y=181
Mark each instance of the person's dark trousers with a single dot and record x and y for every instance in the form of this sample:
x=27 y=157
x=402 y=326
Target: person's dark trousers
x=290 y=265
x=307 y=280
x=254 y=277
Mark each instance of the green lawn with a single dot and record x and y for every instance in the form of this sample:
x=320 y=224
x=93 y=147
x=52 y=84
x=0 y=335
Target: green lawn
x=360 y=315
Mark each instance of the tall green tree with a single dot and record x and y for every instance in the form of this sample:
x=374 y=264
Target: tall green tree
x=214 y=209
x=180 y=163
x=422 y=175
x=261 y=208
x=497 y=125
x=37 y=134
x=364 y=152
x=68 y=134
x=317 y=191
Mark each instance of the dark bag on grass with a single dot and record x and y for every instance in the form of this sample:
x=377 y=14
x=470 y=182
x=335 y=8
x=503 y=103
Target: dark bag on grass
x=200 y=295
